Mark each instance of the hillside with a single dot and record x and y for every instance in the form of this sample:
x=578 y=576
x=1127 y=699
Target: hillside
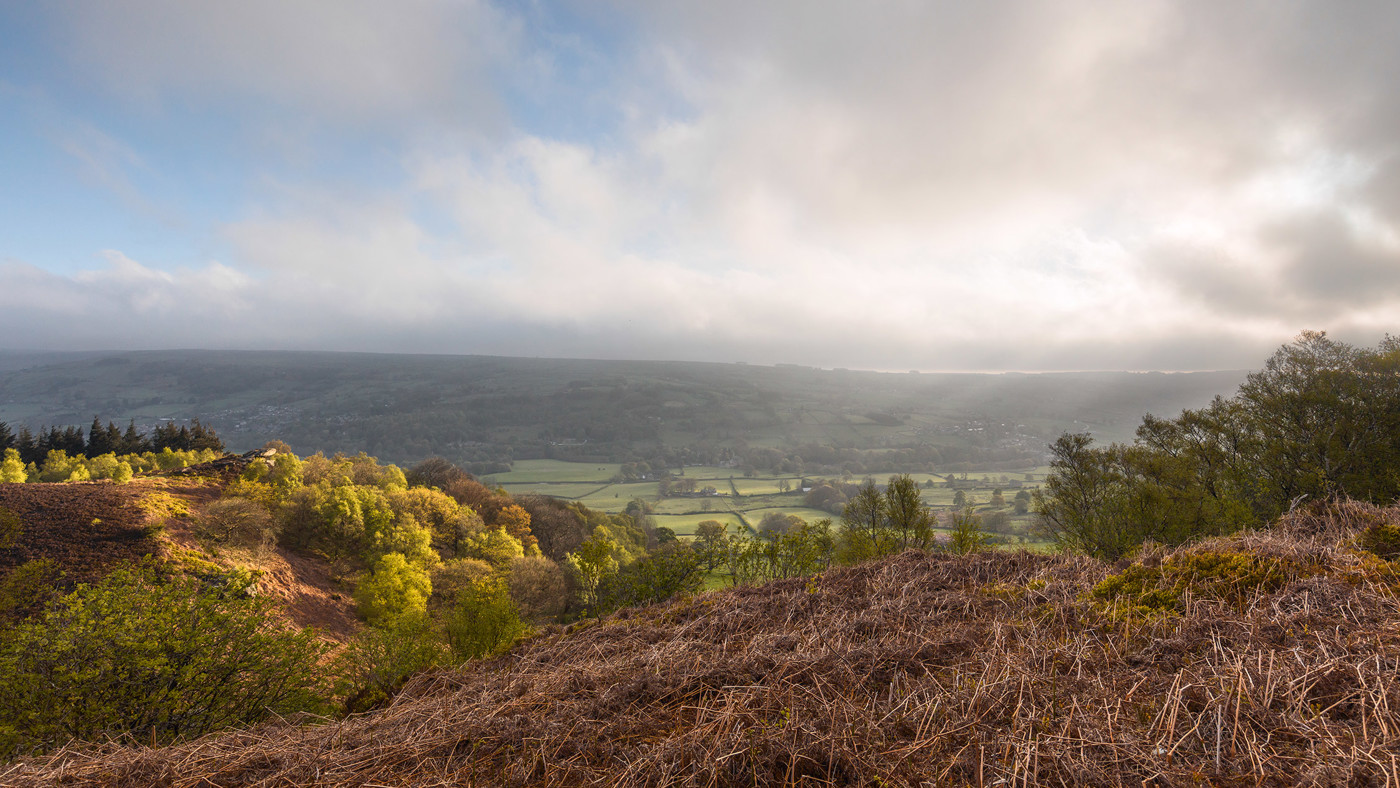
x=1260 y=659
x=482 y=409
x=88 y=528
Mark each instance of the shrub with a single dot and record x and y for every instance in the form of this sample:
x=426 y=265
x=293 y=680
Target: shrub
x=484 y=621
x=1381 y=539
x=1229 y=577
x=27 y=589
x=966 y=534
x=378 y=661
x=152 y=657
x=239 y=522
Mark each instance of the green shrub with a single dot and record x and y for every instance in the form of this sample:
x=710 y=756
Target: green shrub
x=1229 y=577
x=1381 y=539
x=484 y=621
x=152 y=657
x=381 y=659
x=26 y=589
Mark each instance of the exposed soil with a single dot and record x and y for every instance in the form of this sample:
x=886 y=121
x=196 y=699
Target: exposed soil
x=84 y=528
x=89 y=528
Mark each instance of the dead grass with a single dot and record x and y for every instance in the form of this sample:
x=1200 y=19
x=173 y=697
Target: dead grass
x=992 y=669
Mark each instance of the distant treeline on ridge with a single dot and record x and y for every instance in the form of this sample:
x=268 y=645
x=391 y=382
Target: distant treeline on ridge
x=110 y=439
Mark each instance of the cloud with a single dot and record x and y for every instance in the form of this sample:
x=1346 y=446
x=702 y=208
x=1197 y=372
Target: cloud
x=1034 y=185
x=355 y=59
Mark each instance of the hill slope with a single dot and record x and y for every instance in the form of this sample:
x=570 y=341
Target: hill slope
x=403 y=408
x=88 y=528
x=1267 y=658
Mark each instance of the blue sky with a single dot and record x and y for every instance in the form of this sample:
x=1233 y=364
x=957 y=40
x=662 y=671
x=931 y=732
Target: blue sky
x=1002 y=185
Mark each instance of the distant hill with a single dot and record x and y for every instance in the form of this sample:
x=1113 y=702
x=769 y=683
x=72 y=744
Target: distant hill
x=479 y=409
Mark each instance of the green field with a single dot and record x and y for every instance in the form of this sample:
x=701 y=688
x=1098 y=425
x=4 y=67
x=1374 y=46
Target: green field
x=588 y=483
x=537 y=471
x=684 y=524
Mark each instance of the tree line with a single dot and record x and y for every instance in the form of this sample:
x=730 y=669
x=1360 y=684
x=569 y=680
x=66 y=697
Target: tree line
x=1321 y=419
x=103 y=439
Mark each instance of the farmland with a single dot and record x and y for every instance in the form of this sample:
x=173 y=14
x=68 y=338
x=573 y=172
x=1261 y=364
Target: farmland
x=738 y=499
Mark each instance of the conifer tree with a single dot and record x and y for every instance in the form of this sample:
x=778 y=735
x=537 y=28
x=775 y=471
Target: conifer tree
x=28 y=447
x=133 y=442
x=97 y=444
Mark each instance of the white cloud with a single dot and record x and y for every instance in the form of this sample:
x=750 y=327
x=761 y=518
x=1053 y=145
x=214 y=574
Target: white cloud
x=357 y=59
x=1036 y=185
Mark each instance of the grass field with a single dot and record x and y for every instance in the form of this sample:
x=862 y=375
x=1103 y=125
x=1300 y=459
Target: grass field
x=684 y=524
x=589 y=484
x=537 y=471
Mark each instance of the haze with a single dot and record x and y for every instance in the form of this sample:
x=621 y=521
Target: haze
x=992 y=185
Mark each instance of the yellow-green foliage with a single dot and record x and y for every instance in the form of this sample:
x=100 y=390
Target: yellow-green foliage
x=395 y=588
x=12 y=469
x=59 y=467
x=495 y=547
x=162 y=505
x=1381 y=539
x=1226 y=576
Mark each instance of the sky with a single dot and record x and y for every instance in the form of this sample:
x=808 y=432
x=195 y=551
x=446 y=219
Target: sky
x=936 y=185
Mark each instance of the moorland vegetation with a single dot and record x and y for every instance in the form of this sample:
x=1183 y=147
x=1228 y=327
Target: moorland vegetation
x=1224 y=605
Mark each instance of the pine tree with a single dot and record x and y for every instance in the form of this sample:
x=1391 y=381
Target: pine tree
x=7 y=437
x=113 y=437
x=73 y=441
x=133 y=442
x=97 y=439
x=28 y=446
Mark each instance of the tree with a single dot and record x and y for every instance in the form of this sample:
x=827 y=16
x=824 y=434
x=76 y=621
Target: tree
x=998 y=500
x=436 y=472
x=1021 y=504
x=98 y=442
x=380 y=660
x=709 y=537
x=863 y=525
x=495 y=547
x=516 y=522
x=238 y=521
x=538 y=587
x=909 y=520
x=591 y=563
x=965 y=533
x=483 y=622
x=394 y=588
x=671 y=569
x=12 y=468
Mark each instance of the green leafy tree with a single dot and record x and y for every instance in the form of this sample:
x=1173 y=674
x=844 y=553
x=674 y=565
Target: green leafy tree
x=591 y=563
x=864 y=525
x=12 y=468
x=671 y=569
x=709 y=537
x=1021 y=504
x=376 y=663
x=394 y=588
x=966 y=534
x=484 y=621
x=909 y=521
